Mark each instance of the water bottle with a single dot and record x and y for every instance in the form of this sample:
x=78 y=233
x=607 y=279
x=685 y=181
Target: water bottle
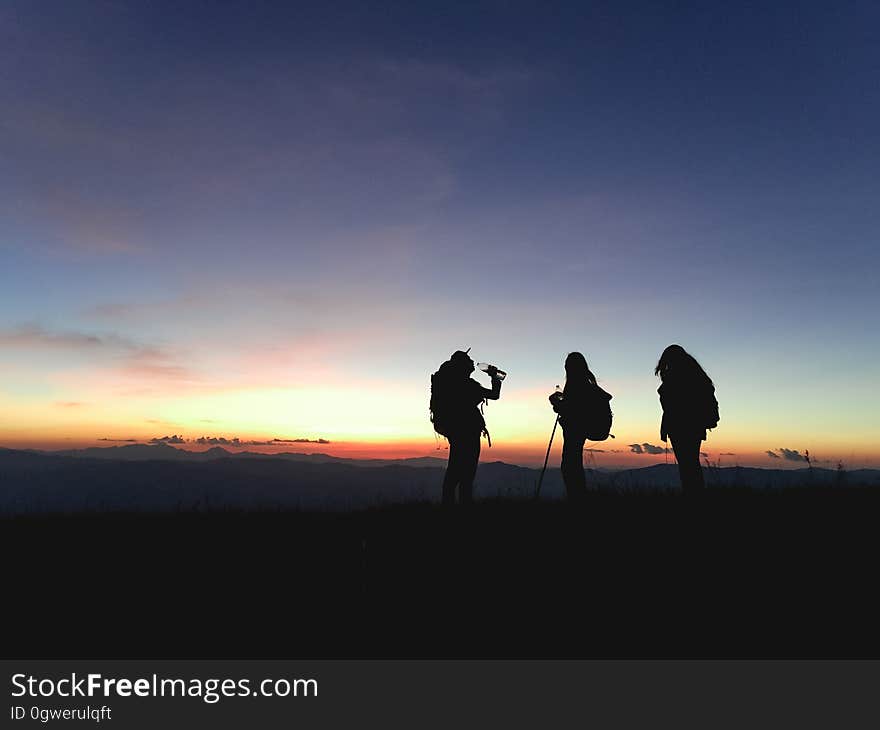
x=484 y=366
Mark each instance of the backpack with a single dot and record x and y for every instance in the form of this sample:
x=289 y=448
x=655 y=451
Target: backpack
x=440 y=407
x=597 y=422
x=712 y=415
x=452 y=411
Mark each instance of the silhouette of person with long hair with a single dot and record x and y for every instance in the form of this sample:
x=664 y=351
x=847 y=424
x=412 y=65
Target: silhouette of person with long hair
x=455 y=401
x=687 y=396
x=579 y=400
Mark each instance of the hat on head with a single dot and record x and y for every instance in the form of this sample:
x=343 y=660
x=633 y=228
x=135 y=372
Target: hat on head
x=461 y=356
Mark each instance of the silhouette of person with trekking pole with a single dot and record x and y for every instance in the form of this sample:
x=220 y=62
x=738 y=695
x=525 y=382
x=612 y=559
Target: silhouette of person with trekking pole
x=687 y=396
x=455 y=412
x=584 y=412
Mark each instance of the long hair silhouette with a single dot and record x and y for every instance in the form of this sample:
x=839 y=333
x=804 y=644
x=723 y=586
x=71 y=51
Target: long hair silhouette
x=579 y=401
x=687 y=397
x=577 y=372
x=677 y=362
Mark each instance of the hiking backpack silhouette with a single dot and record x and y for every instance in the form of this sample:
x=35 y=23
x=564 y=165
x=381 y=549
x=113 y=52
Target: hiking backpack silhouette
x=584 y=412
x=455 y=412
x=687 y=398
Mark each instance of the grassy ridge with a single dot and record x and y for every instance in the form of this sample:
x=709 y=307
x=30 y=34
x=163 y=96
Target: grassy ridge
x=738 y=573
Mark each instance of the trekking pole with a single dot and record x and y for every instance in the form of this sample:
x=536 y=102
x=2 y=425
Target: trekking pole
x=547 y=457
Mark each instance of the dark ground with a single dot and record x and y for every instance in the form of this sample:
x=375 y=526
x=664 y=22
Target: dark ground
x=790 y=573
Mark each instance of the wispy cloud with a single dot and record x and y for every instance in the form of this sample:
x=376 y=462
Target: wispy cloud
x=336 y=124
x=300 y=441
x=91 y=225
x=153 y=363
x=792 y=455
x=130 y=358
x=787 y=455
x=175 y=439
x=233 y=442
x=34 y=336
x=237 y=442
x=646 y=448
x=110 y=310
x=651 y=449
x=223 y=441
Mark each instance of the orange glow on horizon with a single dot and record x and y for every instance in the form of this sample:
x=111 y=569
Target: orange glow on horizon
x=609 y=454
x=387 y=421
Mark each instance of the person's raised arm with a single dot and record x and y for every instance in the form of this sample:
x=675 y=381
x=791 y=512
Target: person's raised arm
x=493 y=393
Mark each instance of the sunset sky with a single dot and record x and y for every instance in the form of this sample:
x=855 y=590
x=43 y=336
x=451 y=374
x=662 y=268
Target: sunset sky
x=274 y=220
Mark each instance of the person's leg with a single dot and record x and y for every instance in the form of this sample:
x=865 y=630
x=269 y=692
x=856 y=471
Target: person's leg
x=573 y=467
x=682 y=456
x=697 y=480
x=453 y=471
x=469 y=461
x=687 y=453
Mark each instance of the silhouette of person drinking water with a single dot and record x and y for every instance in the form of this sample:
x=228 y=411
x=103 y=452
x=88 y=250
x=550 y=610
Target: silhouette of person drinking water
x=455 y=412
x=687 y=396
x=584 y=412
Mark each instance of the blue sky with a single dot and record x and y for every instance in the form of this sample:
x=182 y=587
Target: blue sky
x=244 y=199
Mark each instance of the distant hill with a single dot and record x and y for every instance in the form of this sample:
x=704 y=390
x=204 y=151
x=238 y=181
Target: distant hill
x=121 y=479
x=162 y=478
x=164 y=452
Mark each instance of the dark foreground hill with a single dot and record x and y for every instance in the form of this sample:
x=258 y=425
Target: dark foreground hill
x=739 y=573
x=251 y=556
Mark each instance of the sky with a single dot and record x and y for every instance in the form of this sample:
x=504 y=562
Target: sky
x=264 y=221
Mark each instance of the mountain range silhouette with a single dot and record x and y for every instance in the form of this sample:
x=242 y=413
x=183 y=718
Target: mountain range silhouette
x=140 y=477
